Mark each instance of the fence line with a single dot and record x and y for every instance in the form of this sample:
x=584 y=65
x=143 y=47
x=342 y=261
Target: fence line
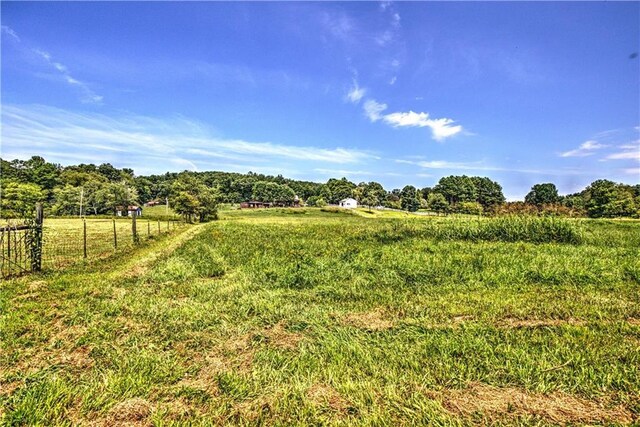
x=59 y=243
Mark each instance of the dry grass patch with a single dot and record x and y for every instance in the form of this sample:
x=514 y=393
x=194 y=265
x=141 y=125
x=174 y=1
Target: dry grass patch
x=512 y=322
x=324 y=395
x=279 y=337
x=633 y=321
x=134 y=410
x=494 y=403
x=375 y=320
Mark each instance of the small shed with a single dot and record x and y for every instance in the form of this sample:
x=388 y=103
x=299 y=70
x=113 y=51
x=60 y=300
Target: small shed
x=131 y=210
x=348 y=203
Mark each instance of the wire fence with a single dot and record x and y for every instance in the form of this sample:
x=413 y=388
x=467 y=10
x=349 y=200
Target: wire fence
x=68 y=241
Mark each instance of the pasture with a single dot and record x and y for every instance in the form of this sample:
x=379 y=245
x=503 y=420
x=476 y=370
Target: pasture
x=305 y=316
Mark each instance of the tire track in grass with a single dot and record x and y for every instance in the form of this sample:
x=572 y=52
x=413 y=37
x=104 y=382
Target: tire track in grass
x=141 y=264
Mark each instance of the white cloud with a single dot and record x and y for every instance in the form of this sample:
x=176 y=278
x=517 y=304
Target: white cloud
x=587 y=148
x=373 y=109
x=88 y=95
x=481 y=166
x=632 y=155
x=356 y=93
x=393 y=80
x=630 y=151
x=46 y=129
x=440 y=128
x=9 y=31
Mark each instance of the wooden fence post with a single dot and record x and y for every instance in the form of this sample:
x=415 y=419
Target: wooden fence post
x=115 y=236
x=84 y=238
x=134 y=231
x=159 y=232
x=36 y=245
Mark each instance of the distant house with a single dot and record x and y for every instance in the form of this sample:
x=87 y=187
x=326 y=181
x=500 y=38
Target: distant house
x=154 y=203
x=130 y=211
x=348 y=203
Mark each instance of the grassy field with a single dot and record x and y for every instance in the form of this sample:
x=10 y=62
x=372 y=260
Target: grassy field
x=299 y=316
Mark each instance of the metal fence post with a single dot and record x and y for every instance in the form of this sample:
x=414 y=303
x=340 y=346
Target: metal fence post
x=84 y=238
x=115 y=236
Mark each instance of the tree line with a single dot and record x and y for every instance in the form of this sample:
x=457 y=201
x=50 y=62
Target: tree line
x=90 y=189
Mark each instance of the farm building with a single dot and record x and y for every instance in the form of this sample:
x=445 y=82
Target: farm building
x=131 y=211
x=348 y=203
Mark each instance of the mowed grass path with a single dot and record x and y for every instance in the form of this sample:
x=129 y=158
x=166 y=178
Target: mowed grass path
x=305 y=317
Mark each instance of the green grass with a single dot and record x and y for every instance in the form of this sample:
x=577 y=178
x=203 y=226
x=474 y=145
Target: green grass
x=159 y=212
x=299 y=316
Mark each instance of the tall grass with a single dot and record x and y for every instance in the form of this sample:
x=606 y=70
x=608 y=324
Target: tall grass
x=513 y=228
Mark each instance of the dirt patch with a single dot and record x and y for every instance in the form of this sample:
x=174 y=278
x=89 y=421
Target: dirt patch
x=206 y=378
x=494 y=403
x=457 y=320
x=633 y=321
x=512 y=322
x=375 y=320
x=279 y=337
x=130 y=410
x=257 y=411
x=326 y=396
x=7 y=389
x=77 y=358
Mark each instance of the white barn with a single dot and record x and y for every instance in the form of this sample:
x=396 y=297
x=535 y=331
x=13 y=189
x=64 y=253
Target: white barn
x=348 y=203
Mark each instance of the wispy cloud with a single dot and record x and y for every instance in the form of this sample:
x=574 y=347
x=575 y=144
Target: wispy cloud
x=587 y=148
x=373 y=109
x=440 y=128
x=10 y=32
x=482 y=166
x=356 y=93
x=38 y=129
x=88 y=95
x=630 y=151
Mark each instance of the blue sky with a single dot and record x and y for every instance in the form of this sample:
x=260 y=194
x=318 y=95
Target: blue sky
x=400 y=93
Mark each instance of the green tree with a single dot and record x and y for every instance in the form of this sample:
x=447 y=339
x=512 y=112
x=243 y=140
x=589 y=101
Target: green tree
x=192 y=199
x=338 y=189
x=456 y=189
x=369 y=193
x=18 y=200
x=437 y=203
x=605 y=198
x=542 y=194
x=488 y=193
x=66 y=200
x=409 y=200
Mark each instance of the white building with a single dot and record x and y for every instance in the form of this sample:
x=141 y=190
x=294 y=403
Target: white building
x=348 y=203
